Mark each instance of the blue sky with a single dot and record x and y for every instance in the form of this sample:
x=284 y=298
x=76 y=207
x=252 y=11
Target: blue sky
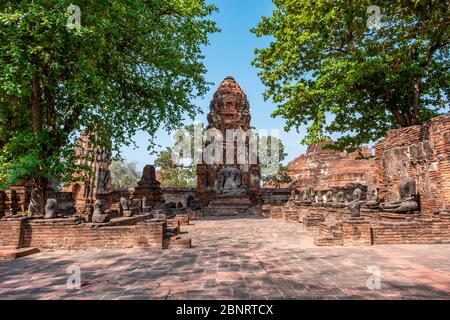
x=230 y=53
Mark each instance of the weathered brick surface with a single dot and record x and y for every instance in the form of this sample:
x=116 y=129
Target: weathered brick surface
x=14 y=200
x=275 y=196
x=183 y=219
x=290 y=215
x=386 y=230
x=420 y=231
x=423 y=153
x=312 y=221
x=300 y=212
x=88 y=185
x=324 y=169
x=330 y=234
x=11 y=234
x=70 y=234
x=45 y=235
x=235 y=259
x=356 y=232
x=276 y=212
x=177 y=195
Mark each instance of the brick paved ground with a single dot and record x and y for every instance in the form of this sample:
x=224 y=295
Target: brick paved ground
x=235 y=259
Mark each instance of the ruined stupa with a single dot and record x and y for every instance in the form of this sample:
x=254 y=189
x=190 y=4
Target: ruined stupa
x=230 y=185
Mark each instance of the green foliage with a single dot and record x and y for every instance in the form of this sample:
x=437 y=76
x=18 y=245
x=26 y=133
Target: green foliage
x=182 y=174
x=273 y=173
x=124 y=175
x=21 y=158
x=173 y=175
x=281 y=177
x=268 y=141
x=134 y=65
x=325 y=69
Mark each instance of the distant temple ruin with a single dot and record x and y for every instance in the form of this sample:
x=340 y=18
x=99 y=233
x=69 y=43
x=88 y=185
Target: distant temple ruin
x=95 y=178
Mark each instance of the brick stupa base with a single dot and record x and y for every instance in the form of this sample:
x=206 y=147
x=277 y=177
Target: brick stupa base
x=232 y=206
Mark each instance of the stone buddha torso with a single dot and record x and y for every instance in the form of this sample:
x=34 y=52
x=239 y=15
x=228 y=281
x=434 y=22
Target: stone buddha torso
x=230 y=182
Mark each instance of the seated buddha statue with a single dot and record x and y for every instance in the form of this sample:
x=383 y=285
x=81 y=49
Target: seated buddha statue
x=372 y=202
x=339 y=200
x=408 y=198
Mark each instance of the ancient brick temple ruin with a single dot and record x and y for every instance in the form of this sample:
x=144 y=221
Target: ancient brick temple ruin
x=90 y=214
x=326 y=169
x=89 y=183
x=400 y=195
x=230 y=188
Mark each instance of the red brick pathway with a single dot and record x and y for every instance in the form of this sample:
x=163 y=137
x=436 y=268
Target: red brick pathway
x=235 y=259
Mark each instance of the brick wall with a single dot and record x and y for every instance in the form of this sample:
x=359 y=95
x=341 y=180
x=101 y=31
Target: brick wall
x=423 y=153
x=275 y=211
x=385 y=230
x=70 y=234
x=356 y=232
x=2 y=203
x=325 y=169
x=65 y=202
x=419 y=231
x=11 y=234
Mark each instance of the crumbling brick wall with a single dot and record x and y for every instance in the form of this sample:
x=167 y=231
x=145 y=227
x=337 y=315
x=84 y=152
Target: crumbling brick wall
x=424 y=230
x=421 y=152
x=325 y=169
x=420 y=231
x=11 y=232
x=70 y=234
x=177 y=195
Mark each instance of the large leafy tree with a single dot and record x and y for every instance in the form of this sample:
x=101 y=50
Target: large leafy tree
x=275 y=151
x=173 y=175
x=280 y=179
x=133 y=65
x=327 y=70
x=273 y=172
x=124 y=174
x=177 y=164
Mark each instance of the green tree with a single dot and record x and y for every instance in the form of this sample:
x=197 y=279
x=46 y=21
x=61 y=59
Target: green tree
x=172 y=174
x=133 y=65
x=124 y=175
x=281 y=177
x=272 y=144
x=327 y=70
x=273 y=173
x=182 y=173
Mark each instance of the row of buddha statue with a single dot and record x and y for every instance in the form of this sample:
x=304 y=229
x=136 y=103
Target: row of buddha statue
x=368 y=200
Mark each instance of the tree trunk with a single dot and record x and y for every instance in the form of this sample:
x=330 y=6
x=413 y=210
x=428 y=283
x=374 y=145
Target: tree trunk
x=36 y=105
x=38 y=196
x=39 y=183
x=416 y=102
